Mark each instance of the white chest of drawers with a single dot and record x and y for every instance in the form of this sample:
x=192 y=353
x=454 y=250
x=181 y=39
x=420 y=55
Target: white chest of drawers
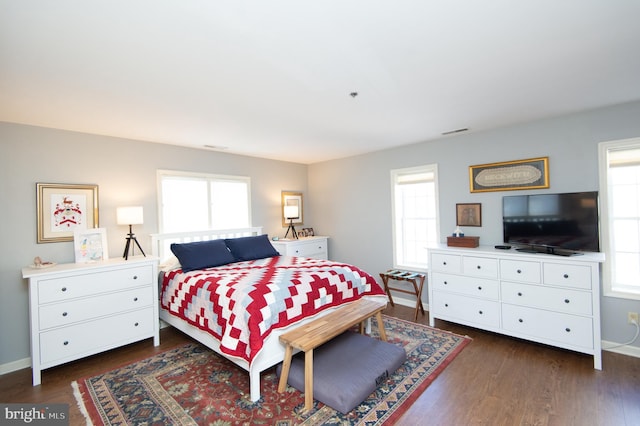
x=313 y=247
x=544 y=298
x=78 y=310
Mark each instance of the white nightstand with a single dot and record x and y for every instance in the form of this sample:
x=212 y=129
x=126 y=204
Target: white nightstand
x=79 y=309
x=314 y=247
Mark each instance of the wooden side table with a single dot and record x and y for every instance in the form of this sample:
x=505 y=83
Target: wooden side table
x=415 y=278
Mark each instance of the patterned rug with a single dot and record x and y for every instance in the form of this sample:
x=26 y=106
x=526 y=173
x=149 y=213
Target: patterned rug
x=191 y=385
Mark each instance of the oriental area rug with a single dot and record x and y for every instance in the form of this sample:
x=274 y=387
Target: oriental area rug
x=192 y=385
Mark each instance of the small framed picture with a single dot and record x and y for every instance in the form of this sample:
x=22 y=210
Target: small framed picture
x=90 y=245
x=469 y=214
x=307 y=232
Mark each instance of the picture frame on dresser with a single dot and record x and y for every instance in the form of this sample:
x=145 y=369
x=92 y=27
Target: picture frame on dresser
x=90 y=245
x=62 y=209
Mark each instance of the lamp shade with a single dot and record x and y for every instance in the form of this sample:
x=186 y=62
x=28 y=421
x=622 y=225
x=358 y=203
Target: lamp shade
x=129 y=215
x=291 y=212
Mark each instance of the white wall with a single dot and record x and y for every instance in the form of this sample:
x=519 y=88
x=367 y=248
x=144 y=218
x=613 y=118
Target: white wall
x=125 y=172
x=352 y=199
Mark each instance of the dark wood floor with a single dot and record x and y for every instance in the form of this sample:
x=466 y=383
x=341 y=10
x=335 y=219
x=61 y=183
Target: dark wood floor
x=496 y=380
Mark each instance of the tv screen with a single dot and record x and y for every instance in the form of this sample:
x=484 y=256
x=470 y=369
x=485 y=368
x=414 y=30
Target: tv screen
x=544 y=222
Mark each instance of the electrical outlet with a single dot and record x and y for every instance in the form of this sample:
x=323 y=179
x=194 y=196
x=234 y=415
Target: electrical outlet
x=632 y=317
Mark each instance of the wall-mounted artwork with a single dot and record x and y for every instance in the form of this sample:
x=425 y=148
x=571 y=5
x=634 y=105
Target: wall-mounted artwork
x=289 y=201
x=468 y=214
x=532 y=173
x=62 y=209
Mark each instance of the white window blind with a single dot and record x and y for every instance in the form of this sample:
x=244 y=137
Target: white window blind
x=414 y=215
x=196 y=201
x=620 y=216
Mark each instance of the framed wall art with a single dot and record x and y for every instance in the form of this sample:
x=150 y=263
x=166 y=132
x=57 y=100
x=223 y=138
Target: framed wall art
x=90 y=245
x=62 y=209
x=532 y=173
x=468 y=214
x=289 y=200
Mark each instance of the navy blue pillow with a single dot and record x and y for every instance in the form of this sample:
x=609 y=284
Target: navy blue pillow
x=202 y=254
x=251 y=248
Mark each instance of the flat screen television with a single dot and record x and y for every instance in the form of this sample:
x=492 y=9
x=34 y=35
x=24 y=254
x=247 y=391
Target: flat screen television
x=552 y=223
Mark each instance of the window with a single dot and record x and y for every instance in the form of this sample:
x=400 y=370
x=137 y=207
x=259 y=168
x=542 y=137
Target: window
x=197 y=201
x=620 y=216
x=414 y=215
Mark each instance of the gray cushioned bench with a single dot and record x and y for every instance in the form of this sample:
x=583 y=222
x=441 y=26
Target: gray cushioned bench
x=347 y=369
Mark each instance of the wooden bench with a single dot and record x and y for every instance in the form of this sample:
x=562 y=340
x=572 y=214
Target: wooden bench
x=313 y=334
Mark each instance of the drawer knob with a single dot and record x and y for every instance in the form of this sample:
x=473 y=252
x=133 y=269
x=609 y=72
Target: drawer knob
x=135 y=277
x=479 y=267
x=480 y=312
x=566 y=275
x=64 y=289
x=520 y=320
x=446 y=305
x=136 y=324
x=64 y=314
x=135 y=299
x=445 y=283
x=479 y=287
x=519 y=271
x=566 y=300
x=568 y=330
x=444 y=263
x=66 y=342
x=519 y=293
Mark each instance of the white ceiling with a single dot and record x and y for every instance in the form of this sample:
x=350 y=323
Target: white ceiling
x=273 y=78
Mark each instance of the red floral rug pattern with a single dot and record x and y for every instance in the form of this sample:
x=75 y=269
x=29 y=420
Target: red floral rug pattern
x=191 y=385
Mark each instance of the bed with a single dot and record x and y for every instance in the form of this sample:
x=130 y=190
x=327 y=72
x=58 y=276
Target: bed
x=231 y=291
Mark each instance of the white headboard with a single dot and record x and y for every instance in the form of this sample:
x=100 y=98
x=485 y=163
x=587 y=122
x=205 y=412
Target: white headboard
x=160 y=243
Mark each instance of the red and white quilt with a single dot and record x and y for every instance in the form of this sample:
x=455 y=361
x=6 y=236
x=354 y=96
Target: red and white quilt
x=241 y=303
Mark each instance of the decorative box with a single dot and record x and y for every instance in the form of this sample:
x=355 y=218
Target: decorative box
x=469 y=242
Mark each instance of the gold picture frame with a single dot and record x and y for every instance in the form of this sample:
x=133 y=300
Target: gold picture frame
x=532 y=173
x=64 y=208
x=468 y=214
x=292 y=198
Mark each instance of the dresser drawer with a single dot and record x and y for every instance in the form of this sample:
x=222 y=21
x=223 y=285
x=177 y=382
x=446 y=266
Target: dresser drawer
x=69 y=312
x=478 y=287
x=576 y=276
x=516 y=270
x=88 y=284
x=310 y=249
x=562 y=328
x=549 y=298
x=468 y=309
x=480 y=267
x=93 y=336
x=446 y=263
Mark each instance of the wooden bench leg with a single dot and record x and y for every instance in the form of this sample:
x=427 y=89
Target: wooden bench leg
x=308 y=380
x=286 y=366
x=383 y=333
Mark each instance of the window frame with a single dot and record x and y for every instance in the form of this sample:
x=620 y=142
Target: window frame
x=608 y=285
x=394 y=174
x=209 y=178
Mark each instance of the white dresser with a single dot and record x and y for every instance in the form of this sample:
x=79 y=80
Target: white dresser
x=540 y=297
x=78 y=310
x=314 y=247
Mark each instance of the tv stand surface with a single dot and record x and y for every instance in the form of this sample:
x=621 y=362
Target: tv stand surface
x=540 y=297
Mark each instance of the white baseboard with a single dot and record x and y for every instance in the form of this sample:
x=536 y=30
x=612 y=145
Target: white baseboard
x=10 y=367
x=629 y=350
